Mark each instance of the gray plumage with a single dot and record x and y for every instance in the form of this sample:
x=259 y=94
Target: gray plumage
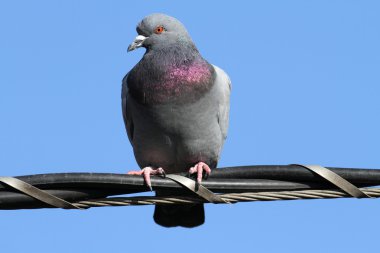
x=175 y=109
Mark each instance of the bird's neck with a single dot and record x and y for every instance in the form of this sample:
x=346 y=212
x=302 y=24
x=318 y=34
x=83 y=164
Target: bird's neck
x=172 y=54
x=173 y=75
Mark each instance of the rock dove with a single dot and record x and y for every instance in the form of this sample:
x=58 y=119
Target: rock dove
x=175 y=108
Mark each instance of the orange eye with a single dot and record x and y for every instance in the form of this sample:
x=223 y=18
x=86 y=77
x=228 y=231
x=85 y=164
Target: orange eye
x=159 y=29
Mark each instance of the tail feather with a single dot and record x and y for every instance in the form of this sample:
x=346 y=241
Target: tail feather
x=179 y=215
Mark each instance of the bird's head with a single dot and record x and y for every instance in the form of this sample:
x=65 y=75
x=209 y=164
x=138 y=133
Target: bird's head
x=158 y=31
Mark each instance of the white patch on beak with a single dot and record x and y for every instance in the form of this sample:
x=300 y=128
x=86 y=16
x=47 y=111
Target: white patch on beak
x=138 y=42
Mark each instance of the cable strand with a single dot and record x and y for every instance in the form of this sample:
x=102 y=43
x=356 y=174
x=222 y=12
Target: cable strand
x=228 y=198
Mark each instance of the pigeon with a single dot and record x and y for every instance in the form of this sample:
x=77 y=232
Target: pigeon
x=176 y=111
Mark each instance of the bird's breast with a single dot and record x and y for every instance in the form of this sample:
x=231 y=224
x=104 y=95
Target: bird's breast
x=171 y=83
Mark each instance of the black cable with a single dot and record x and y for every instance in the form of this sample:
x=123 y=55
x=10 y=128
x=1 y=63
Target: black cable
x=82 y=186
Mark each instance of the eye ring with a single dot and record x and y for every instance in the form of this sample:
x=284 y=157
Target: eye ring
x=159 y=29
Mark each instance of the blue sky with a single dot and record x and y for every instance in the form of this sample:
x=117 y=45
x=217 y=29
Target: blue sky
x=305 y=78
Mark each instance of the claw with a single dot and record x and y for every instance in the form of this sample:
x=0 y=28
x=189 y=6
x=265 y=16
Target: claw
x=160 y=171
x=146 y=172
x=200 y=168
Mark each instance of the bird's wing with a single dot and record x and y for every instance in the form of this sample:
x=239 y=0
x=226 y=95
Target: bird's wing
x=127 y=116
x=224 y=84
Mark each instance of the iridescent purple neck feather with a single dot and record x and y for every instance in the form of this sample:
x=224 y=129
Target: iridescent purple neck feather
x=177 y=74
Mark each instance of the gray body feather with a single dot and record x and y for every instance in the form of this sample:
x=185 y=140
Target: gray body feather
x=175 y=137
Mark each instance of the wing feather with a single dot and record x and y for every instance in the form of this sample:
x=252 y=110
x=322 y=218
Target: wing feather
x=127 y=115
x=224 y=84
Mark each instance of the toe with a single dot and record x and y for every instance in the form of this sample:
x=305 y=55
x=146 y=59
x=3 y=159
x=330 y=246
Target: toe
x=207 y=169
x=199 y=172
x=200 y=168
x=192 y=170
x=146 y=175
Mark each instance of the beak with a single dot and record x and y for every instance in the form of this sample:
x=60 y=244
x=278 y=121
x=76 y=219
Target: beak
x=138 y=42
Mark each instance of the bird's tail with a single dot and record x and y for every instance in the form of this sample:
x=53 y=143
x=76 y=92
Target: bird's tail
x=179 y=215
x=189 y=215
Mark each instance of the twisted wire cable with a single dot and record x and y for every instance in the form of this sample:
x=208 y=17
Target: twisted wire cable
x=229 y=198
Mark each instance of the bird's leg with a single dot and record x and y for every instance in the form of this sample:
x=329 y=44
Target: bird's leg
x=199 y=168
x=146 y=172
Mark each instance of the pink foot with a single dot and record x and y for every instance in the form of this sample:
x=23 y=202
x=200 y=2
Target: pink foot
x=146 y=172
x=199 y=168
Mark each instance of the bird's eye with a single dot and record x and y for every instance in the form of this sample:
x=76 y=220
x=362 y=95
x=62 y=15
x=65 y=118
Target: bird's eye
x=159 y=29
